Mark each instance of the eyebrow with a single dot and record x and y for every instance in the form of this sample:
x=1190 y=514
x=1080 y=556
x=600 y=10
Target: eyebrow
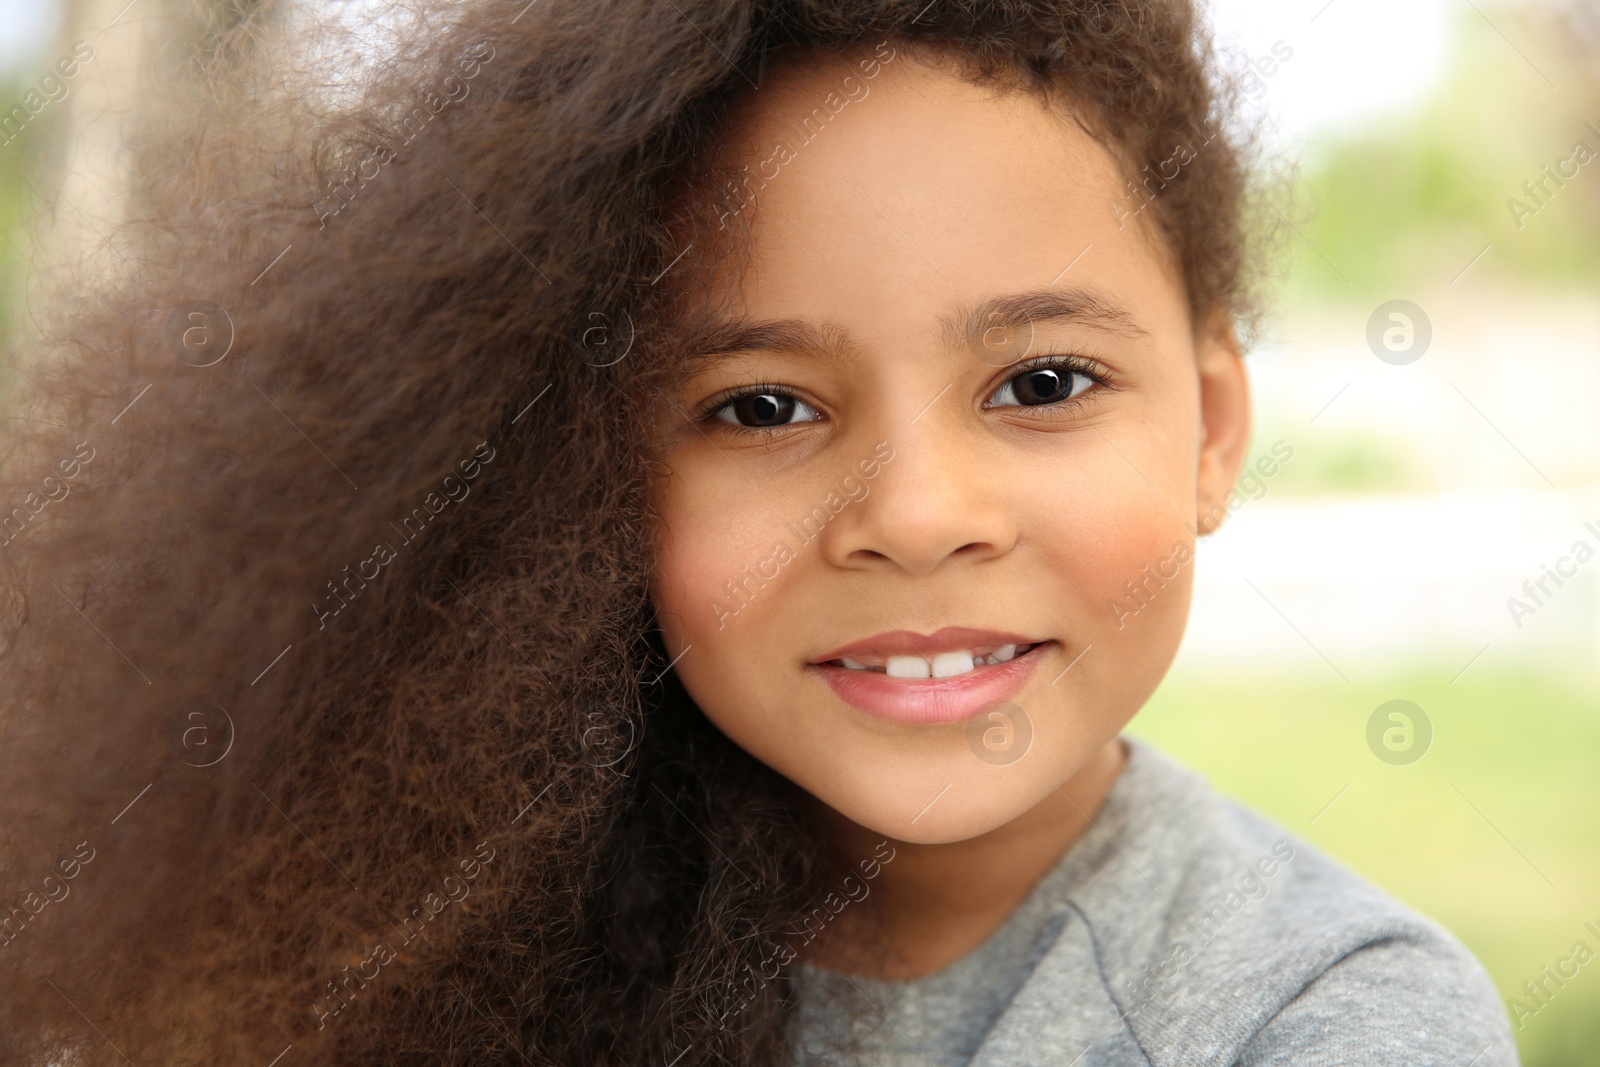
x=715 y=341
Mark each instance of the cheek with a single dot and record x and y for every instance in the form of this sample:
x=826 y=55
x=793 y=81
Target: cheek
x=1115 y=551
x=719 y=590
x=1123 y=551
x=1131 y=535
x=719 y=568
x=684 y=568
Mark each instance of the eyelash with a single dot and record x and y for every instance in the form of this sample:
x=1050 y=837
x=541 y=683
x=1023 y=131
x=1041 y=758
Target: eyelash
x=1079 y=365
x=710 y=408
x=1075 y=364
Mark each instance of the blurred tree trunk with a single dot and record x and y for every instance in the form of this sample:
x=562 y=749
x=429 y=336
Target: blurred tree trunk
x=84 y=164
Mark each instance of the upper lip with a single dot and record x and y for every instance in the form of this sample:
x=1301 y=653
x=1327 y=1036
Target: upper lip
x=911 y=643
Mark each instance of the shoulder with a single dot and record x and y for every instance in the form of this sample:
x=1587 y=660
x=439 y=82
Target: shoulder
x=1220 y=932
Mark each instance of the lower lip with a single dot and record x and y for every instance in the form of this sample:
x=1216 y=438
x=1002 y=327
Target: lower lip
x=931 y=700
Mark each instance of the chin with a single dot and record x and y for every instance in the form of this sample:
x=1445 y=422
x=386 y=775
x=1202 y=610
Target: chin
x=974 y=804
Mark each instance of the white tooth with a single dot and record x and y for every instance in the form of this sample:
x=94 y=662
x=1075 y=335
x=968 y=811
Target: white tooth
x=949 y=664
x=908 y=667
x=1004 y=652
x=853 y=665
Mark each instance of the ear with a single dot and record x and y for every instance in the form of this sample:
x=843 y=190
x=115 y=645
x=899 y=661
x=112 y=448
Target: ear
x=1224 y=420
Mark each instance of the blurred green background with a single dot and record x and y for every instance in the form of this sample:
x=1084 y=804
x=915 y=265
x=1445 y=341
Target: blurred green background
x=1420 y=496
x=1495 y=831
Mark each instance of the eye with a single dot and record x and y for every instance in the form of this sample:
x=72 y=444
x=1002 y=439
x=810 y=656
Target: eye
x=1051 y=380
x=763 y=408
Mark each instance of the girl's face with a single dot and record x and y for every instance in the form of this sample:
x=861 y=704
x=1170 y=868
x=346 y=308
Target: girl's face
x=957 y=414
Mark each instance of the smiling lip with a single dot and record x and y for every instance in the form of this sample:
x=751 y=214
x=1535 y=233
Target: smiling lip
x=911 y=643
x=930 y=700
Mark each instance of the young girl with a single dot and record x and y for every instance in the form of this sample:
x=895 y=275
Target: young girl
x=633 y=539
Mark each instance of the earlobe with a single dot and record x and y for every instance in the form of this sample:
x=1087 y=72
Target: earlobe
x=1224 y=422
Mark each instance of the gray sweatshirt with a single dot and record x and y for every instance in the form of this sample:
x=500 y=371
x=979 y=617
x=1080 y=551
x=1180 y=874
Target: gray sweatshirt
x=1183 y=928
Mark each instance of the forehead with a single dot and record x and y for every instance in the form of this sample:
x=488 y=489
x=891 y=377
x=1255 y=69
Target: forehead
x=862 y=188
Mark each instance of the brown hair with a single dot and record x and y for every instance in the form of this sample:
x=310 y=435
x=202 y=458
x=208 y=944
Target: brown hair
x=333 y=720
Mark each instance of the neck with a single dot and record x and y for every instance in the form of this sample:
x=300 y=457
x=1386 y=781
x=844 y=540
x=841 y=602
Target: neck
x=934 y=903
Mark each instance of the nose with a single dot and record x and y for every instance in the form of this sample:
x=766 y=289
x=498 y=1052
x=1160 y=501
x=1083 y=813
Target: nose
x=934 y=500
